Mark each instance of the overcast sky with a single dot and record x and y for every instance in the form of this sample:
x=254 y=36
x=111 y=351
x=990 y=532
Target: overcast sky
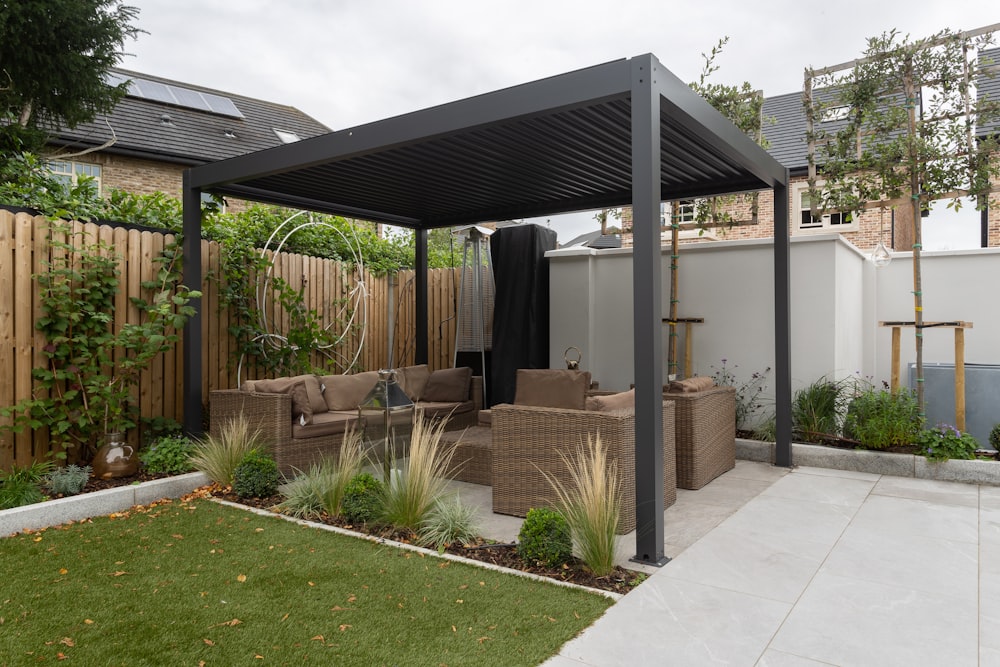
x=347 y=62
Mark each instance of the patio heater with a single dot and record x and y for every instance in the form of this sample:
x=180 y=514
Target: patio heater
x=387 y=415
x=474 y=320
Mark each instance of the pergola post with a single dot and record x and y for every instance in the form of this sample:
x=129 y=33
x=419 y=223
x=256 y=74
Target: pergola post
x=646 y=304
x=420 y=305
x=782 y=329
x=191 y=363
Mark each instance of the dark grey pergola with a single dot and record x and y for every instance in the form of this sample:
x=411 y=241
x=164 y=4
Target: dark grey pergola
x=627 y=132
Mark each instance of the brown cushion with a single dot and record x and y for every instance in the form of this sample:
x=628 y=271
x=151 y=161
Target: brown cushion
x=444 y=409
x=302 y=411
x=448 y=385
x=485 y=417
x=413 y=380
x=345 y=392
x=621 y=401
x=551 y=388
x=327 y=423
x=312 y=398
x=690 y=385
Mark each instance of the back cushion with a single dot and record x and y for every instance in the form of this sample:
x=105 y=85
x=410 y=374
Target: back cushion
x=309 y=400
x=691 y=384
x=552 y=388
x=345 y=392
x=413 y=379
x=621 y=401
x=448 y=385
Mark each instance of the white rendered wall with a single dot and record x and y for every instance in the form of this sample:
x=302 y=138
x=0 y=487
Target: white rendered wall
x=837 y=300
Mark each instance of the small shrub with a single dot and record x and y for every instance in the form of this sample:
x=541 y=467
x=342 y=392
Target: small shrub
x=817 y=409
x=169 y=454
x=17 y=492
x=945 y=442
x=880 y=418
x=67 y=481
x=545 y=537
x=363 y=499
x=418 y=487
x=995 y=437
x=218 y=456
x=591 y=503
x=449 y=521
x=256 y=476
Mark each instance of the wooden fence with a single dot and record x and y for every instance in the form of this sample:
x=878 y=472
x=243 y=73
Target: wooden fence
x=326 y=284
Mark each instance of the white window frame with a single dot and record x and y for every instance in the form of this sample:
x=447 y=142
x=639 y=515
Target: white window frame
x=831 y=222
x=69 y=171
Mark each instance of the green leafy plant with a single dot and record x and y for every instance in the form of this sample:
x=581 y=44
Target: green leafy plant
x=879 y=418
x=84 y=390
x=363 y=499
x=945 y=442
x=22 y=485
x=256 y=476
x=817 y=410
x=449 y=521
x=169 y=454
x=321 y=488
x=749 y=392
x=591 y=503
x=218 y=456
x=67 y=481
x=545 y=537
x=413 y=492
x=995 y=437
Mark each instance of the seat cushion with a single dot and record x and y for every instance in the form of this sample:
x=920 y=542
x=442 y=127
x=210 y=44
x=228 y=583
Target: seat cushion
x=325 y=423
x=345 y=392
x=443 y=409
x=551 y=388
x=448 y=385
x=609 y=402
x=691 y=385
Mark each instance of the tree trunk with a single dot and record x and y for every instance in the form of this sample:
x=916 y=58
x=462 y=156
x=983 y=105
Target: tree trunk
x=914 y=168
x=674 y=257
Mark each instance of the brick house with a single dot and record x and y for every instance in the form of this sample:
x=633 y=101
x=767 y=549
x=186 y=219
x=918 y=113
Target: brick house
x=787 y=143
x=163 y=127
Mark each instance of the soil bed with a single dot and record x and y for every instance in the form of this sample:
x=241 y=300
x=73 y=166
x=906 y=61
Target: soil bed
x=505 y=555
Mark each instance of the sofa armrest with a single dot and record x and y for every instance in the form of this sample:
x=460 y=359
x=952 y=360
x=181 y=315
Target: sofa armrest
x=271 y=414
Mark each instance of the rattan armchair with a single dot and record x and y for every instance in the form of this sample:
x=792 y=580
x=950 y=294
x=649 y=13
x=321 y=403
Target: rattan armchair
x=706 y=434
x=529 y=441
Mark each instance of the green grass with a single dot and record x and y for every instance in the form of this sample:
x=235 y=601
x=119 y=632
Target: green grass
x=187 y=582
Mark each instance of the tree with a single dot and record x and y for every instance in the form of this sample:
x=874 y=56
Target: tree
x=906 y=138
x=54 y=58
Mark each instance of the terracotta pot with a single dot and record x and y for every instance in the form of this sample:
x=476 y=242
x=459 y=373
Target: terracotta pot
x=116 y=458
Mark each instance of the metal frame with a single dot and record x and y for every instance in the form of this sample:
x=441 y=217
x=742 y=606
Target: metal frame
x=625 y=132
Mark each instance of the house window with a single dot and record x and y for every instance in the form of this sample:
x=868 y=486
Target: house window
x=832 y=221
x=683 y=211
x=68 y=172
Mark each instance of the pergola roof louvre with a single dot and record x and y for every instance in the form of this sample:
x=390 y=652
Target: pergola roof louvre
x=559 y=144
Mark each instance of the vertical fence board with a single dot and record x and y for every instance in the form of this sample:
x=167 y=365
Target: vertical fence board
x=8 y=309
x=23 y=329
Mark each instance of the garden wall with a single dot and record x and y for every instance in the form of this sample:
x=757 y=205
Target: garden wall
x=24 y=251
x=837 y=300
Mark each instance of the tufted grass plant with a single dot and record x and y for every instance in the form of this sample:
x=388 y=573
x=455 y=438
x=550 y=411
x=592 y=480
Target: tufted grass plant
x=591 y=503
x=411 y=494
x=449 y=521
x=218 y=456
x=321 y=487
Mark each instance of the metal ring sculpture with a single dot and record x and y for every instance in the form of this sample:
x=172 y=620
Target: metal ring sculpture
x=354 y=307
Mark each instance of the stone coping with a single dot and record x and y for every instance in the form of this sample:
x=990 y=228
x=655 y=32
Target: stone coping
x=879 y=463
x=98 y=503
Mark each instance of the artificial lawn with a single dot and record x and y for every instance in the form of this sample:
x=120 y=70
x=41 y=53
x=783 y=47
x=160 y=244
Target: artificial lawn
x=190 y=583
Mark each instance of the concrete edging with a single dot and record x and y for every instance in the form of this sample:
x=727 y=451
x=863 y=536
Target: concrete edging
x=98 y=503
x=879 y=463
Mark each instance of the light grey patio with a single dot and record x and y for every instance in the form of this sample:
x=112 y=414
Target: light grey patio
x=808 y=567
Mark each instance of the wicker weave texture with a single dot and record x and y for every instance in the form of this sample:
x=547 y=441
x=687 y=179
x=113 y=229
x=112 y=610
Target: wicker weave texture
x=706 y=435
x=272 y=415
x=530 y=442
x=473 y=459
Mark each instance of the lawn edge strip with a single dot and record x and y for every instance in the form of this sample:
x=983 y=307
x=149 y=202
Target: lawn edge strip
x=421 y=550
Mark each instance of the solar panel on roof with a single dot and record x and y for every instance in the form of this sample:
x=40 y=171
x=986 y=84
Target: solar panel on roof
x=177 y=95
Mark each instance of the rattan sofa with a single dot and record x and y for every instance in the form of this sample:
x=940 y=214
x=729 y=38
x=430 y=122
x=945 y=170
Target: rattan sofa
x=529 y=441
x=705 y=434
x=296 y=444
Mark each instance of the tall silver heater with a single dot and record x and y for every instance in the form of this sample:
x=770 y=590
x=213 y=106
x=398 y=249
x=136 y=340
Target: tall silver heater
x=474 y=317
